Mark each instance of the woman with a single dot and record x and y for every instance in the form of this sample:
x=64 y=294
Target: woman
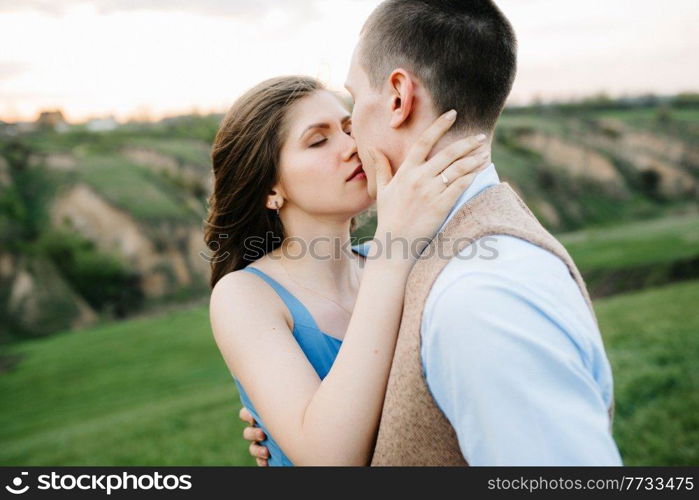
x=306 y=330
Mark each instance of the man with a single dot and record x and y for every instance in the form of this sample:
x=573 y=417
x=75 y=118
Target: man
x=499 y=360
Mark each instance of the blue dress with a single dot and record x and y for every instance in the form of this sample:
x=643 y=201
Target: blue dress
x=319 y=347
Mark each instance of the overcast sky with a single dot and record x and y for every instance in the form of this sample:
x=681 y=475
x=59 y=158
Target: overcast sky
x=160 y=57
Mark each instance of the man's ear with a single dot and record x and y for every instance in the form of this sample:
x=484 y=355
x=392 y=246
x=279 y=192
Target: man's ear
x=402 y=90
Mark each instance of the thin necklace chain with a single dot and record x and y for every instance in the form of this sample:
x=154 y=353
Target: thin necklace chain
x=281 y=261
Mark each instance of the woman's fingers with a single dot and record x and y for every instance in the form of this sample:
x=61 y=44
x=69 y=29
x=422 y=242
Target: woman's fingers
x=246 y=416
x=461 y=174
x=253 y=434
x=466 y=165
x=382 y=168
x=455 y=151
x=449 y=196
x=422 y=147
x=258 y=451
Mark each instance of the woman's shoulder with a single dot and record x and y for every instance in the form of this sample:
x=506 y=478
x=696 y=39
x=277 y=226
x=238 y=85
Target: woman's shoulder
x=234 y=283
x=241 y=297
x=245 y=318
x=241 y=281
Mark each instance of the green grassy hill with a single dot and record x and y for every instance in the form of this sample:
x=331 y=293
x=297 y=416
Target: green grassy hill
x=578 y=165
x=636 y=255
x=156 y=391
x=652 y=339
x=133 y=198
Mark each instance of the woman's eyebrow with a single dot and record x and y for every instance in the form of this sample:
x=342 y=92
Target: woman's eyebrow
x=323 y=125
x=315 y=125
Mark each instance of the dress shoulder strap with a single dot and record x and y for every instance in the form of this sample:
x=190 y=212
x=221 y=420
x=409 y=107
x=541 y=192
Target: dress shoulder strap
x=298 y=311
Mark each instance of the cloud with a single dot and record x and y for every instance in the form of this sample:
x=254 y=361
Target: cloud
x=232 y=8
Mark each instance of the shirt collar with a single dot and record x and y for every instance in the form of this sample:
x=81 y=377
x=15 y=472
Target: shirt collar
x=486 y=178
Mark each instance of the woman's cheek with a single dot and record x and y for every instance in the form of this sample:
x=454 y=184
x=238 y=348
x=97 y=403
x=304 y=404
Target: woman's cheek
x=314 y=185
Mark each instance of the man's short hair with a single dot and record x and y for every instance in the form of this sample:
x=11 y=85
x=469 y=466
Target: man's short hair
x=464 y=52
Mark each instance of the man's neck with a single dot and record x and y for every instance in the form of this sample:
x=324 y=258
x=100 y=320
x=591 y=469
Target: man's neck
x=486 y=178
x=449 y=139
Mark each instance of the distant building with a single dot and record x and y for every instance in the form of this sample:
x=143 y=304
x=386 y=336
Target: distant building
x=52 y=120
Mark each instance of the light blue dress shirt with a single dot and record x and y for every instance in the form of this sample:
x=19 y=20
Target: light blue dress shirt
x=514 y=358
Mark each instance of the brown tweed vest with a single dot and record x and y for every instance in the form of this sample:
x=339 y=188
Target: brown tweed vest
x=413 y=430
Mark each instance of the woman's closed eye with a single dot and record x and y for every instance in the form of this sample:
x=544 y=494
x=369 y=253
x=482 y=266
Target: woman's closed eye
x=319 y=140
x=318 y=143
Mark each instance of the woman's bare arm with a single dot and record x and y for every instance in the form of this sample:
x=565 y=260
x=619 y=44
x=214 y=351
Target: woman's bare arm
x=316 y=422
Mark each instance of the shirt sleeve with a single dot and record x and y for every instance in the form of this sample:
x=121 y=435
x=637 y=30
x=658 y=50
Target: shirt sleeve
x=511 y=379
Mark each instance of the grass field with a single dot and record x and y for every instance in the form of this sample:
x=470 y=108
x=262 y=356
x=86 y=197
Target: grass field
x=155 y=391
x=145 y=391
x=652 y=339
x=634 y=244
x=190 y=152
x=134 y=189
x=636 y=255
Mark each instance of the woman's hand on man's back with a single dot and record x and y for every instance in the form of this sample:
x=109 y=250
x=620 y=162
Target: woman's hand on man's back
x=255 y=435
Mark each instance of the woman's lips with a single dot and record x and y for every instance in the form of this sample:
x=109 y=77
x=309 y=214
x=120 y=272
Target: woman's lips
x=357 y=174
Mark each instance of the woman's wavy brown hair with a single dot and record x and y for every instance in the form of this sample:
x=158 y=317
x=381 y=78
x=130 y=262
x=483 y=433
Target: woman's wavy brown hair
x=245 y=157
